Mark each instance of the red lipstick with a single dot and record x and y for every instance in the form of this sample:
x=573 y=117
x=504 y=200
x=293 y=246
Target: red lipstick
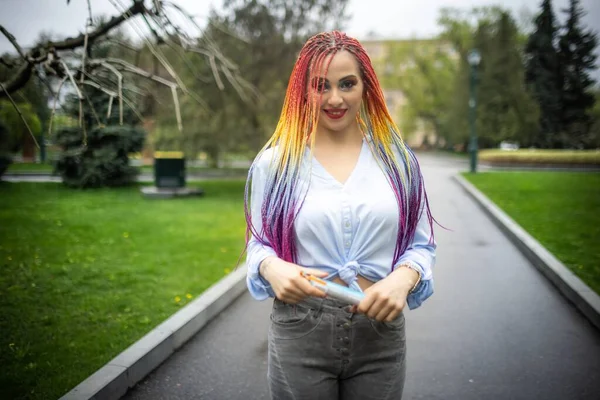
x=335 y=113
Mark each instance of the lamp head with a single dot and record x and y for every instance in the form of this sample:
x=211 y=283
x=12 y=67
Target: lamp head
x=474 y=57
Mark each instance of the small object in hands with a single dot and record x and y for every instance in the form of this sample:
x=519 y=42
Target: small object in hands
x=335 y=291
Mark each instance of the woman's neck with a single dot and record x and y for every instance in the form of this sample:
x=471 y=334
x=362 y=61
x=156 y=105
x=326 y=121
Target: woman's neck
x=348 y=137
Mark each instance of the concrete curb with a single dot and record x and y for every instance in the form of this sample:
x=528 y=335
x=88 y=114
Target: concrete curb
x=573 y=288
x=125 y=370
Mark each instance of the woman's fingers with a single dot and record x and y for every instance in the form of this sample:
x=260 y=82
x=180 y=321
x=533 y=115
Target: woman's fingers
x=393 y=315
x=379 y=307
x=365 y=304
x=316 y=272
x=385 y=313
x=296 y=288
x=308 y=289
x=291 y=299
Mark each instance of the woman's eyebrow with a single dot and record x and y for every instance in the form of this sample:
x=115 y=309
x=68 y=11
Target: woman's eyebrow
x=341 y=79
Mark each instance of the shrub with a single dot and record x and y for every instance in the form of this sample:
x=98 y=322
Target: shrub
x=103 y=161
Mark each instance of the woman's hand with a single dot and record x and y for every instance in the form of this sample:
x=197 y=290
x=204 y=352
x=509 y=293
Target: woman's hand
x=386 y=299
x=287 y=281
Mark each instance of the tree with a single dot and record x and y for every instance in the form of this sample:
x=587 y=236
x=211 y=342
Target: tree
x=16 y=128
x=576 y=55
x=95 y=154
x=102 y=160
x=505 y=109
x=72 y=61
x=95 y=151
x=424 y=71
x=543 y=76
x=434 y=75
x=20 y=123
x=36 y=95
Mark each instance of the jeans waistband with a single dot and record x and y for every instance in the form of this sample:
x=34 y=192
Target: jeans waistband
x=325 y=304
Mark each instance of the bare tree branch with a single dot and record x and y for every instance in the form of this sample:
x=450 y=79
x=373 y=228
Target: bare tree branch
x=19 y=79
x=72 y=79
x=91 y=106
x=7 y=62
x=71 y=43
x=119 y=87
x=12 y=40
x=112 y=95
x=70 y=58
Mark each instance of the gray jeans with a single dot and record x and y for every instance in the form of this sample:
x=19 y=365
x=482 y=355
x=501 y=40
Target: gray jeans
x=319 y=350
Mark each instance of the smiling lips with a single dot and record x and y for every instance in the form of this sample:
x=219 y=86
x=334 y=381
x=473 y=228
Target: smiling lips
x=335 y=113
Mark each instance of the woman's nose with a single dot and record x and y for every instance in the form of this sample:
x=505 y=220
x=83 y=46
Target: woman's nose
x=335 y=99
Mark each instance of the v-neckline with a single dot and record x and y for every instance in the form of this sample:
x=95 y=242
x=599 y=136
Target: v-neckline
x=326 y=174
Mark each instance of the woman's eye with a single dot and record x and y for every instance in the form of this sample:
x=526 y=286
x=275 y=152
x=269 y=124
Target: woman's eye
x=347 y=85
x=322 y=86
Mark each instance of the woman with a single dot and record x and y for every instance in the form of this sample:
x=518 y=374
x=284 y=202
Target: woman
x=336 y=193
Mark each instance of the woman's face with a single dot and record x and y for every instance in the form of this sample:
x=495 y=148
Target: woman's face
x=341 y=92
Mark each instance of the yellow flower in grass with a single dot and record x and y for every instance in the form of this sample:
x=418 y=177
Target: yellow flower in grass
x=177 y=299
x=188 y=296
x=227 y=271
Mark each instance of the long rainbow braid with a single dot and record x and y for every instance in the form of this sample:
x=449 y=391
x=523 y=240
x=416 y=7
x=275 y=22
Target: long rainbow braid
x=294 y=131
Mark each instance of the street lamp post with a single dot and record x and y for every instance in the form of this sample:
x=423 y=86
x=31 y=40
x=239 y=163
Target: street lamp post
x=474 y=59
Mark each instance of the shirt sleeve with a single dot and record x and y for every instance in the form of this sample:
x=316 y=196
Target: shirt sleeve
x=421 y=256
x=259 y=287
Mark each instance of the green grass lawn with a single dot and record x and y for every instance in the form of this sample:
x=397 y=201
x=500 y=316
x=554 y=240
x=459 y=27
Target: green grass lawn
x=190 y=169
x=87 y=273
x=29 y=167
x=560 y=209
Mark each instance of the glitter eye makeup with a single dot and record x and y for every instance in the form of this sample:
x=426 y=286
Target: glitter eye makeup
x=322 y=84
x=348 y=83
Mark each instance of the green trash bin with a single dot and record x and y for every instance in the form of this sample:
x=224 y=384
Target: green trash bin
x=169 y=169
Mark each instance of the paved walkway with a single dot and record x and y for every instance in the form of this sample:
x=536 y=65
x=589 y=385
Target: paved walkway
x=494 y=329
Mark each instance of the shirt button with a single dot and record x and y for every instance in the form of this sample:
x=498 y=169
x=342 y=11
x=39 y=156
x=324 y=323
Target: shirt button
x=347 y=224
x=347 y=243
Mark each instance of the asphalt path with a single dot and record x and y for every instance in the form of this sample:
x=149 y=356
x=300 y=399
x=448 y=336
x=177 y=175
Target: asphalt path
x=495 y=328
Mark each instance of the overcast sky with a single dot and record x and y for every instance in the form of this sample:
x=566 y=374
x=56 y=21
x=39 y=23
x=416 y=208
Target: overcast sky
x=25 y=19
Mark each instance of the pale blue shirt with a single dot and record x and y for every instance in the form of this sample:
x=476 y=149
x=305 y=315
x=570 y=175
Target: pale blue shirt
x=344 y=229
